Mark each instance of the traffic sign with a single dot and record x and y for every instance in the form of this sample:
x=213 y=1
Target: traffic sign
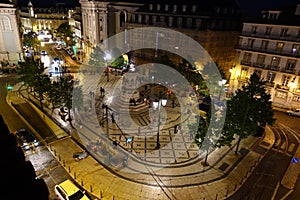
x=295 y=160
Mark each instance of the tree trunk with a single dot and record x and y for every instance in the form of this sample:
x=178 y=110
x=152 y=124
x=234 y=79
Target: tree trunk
x=237 y=145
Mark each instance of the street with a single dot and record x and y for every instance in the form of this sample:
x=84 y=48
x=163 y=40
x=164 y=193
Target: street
x=265 y=181
x=45 y=165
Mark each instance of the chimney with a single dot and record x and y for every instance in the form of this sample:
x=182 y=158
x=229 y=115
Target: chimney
x=297 y=12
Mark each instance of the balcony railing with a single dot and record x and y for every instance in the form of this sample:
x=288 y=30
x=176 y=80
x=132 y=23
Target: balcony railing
x=259 y=65
x=270 y=84
x=290 y=71
x=246 y=62
x=287 y=37
x=269 y=51
x=278 y=86
x=272 y=67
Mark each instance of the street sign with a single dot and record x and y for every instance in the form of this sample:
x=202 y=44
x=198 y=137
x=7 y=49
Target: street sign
x=295 y=160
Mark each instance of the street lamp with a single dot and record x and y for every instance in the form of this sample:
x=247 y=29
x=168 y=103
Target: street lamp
x=158 y=104
x=106 y=58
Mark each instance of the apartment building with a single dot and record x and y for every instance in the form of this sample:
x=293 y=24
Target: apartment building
x=214 y=24
x=270 y=47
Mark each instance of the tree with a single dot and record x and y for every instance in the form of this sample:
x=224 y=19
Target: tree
x=97 y=57
x=42 y=85
x=54 y=95
x=30 y=39
x=249 y=109
x=66 y=88
x=64 y=31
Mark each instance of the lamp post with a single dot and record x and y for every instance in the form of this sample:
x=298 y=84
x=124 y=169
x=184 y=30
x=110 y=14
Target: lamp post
x=106 y=58
x=159 y=104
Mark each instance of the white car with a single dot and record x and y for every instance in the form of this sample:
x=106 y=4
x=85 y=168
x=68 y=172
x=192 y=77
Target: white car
x=67 y=190
x=44 y=52
x=293 y=112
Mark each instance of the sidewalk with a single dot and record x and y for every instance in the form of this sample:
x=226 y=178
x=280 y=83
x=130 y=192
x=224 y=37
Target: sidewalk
x=191 y=180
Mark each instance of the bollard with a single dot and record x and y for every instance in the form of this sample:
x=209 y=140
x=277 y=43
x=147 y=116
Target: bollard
x=91 y=188
x=101 y=194
x=235 y=187
x=69 y=169
x=81 y=182
x=227 y=192
x=50 y=147
x=74 y=175
x=216 y=196
x=54 y=152
x=59 y=157
x=64 y=163
x=113 y=197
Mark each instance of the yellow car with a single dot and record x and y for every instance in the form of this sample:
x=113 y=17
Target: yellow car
x=67 y=190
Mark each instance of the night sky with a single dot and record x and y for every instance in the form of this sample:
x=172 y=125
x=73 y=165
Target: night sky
x=248 y=7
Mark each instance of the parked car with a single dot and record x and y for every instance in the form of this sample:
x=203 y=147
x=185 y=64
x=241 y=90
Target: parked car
x=80 y=155
x=67 y=190
x=293 y=112
x=26 y=139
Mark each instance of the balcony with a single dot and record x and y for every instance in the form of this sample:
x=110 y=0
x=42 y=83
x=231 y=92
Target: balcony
x=246 y=62
x=269 y=51
x=272 y=67
x=290 y=71
x=259 y=65
x=270 y=84
x=278 y=86
x=287 y=37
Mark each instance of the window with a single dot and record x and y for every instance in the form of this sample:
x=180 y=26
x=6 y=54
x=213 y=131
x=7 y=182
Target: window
x=285 y=80
x=275 y=61
x=290 y=65
x=283 y=32
x=154 y=18
x=179 y=22
x=268 y=30
x=279 y=46
x=264 y=44
x=250 y=43
x=296 y=98
x=261 y=59
x=166 y=7
x=244 y=72
x=247 y=56
x=5 y=24
x=271 y=77
x=253 y=29
x=158 y=7
x=258 y=72
x=282 y=95
x=189 y=22
x=295 y=48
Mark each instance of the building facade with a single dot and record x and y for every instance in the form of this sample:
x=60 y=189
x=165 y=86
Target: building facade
x=10 y=43
x=270 y=47
x=215 y=25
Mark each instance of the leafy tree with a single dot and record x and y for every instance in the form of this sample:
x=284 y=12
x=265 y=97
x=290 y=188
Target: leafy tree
x=97 y=57
x=42 y=85
x=65 y=32
x=249 y=109
x=30 y=39
x=66 y=88
x=78 y=97
x=54 y=95
x=118 y=62
x=29 y=71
